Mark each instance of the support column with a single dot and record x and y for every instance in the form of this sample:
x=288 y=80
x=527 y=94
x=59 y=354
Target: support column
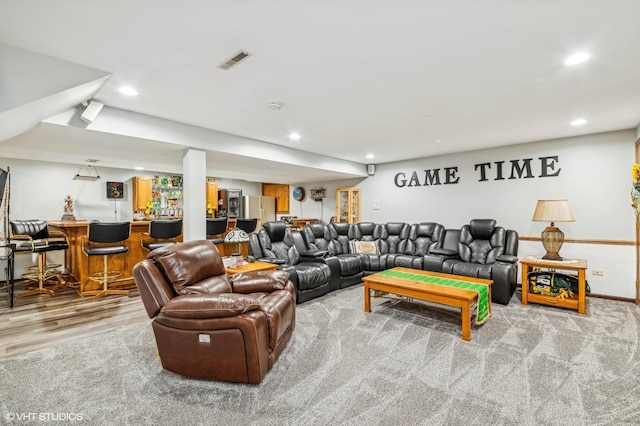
x=194 y=165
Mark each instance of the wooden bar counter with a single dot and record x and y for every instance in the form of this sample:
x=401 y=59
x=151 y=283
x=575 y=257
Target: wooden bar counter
x=80 y=266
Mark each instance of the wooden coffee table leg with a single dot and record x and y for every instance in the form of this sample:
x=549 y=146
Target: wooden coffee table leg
x=466 y=322
x=367 y=298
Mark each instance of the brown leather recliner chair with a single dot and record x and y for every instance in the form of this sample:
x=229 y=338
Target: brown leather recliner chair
x=211 y=326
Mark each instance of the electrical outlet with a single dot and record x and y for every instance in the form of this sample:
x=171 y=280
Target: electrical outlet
x=597 y=272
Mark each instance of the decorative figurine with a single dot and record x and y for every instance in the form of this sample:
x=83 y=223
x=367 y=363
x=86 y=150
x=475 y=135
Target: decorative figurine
x=68 y=209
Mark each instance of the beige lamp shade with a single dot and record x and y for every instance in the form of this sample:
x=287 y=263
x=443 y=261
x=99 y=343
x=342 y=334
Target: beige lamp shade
x=553 y=210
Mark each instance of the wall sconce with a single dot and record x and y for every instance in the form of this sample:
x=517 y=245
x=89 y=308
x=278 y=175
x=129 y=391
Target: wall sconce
x=556 y=210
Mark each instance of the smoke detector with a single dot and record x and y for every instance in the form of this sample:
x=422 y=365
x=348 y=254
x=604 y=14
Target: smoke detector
x=275 y=106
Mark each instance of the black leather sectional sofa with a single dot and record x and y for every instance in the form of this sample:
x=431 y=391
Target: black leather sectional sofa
x=324 y=257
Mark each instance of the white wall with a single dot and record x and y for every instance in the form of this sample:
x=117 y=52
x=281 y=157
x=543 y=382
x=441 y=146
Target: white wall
x=324 y=209
x=595 y=176
x=38 y=190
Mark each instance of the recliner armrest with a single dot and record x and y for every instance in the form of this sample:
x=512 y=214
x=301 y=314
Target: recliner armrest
x=444 y=252
x=273 y=260
x=314 y=253
x=507 y=258
x=259 y=281
x=205 y=306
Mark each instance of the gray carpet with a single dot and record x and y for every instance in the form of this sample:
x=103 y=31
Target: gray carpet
x=404 y=363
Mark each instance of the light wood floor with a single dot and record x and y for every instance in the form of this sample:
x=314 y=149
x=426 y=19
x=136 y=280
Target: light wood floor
x=39 y=321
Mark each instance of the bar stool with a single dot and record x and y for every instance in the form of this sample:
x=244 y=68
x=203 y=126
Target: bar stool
x=163 y=233
x=39 y=239
x=216 y=227
x=106 y=239
x=247 y=225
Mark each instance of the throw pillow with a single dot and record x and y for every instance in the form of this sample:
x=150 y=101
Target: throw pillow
x=365 y=247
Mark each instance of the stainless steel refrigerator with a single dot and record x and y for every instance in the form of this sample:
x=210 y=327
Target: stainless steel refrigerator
x=261 y=207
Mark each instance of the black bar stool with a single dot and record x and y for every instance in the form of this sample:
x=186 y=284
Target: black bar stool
x=37 y=238
x=162 y=233
x=215 y=228
x=247 y=225
x=106 y=239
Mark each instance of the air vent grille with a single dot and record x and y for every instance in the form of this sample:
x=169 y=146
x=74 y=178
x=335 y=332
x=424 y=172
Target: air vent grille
x=235 y=60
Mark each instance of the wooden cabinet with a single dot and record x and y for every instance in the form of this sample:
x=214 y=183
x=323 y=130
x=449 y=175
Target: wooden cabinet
x=141 y=193
x=212 y=196
x=348 y=205
x=281 y=192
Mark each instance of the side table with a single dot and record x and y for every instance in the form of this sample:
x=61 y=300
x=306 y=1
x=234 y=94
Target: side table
x=578 y=303
x=251 y=267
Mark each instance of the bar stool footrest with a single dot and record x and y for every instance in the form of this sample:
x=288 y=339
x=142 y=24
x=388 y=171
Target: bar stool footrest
x=108 y=275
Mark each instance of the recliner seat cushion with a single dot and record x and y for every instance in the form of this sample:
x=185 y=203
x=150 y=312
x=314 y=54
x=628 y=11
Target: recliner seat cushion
x=349 y=265
x=210 y=306
x=467 y=269
x=407 y=261
x=312 y=275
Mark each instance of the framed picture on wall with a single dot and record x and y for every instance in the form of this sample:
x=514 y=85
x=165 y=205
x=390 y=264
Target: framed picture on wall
x=115 y=189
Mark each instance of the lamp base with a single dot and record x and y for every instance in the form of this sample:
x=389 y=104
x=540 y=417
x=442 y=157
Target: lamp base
x=552 y=256
x=552 y=239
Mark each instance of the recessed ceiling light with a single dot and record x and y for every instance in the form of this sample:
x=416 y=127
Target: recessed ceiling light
x=129 y=91
x=139 y=168
x=578 y=122
x=294 y=136
x=577 y=58
x=370 y=156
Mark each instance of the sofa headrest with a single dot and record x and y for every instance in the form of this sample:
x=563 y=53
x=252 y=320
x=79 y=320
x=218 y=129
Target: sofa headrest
x=366 y=228
x=317 y=229
x=482 y=229
x=427 y=229
x=276 y=230
x=186 y=264
x=342 y=228
x=395 y=228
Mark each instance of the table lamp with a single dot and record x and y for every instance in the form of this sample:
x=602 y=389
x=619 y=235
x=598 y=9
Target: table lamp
x=237 y=236
x=555 y=210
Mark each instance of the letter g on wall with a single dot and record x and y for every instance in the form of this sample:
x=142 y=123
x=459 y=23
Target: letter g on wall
x=400 y=180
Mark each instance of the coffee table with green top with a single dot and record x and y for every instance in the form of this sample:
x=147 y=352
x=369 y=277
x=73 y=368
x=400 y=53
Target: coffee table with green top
x=445 y=289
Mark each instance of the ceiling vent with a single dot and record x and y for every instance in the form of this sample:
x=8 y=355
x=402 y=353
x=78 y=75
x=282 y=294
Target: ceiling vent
x=235 y=60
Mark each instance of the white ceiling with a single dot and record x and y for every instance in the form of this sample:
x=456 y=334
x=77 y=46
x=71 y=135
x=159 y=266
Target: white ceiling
x=400 y=80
